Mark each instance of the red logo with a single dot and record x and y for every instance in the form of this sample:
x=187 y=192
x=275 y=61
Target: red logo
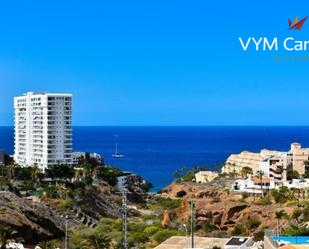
x=297 y=25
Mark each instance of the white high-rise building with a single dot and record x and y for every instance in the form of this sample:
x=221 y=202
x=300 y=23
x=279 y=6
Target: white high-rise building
x=43 y=129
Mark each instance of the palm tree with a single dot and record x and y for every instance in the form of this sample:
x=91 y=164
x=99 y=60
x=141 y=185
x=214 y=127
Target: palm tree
x=279 y=216
x=96 y=241
x=35 y=171
x=6 y=233
x=259 y=175
x=234 y=170
x=245 y=171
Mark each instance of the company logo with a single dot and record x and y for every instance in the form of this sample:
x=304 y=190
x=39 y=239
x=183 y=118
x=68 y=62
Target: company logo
x=263 y=43
x=297 y=25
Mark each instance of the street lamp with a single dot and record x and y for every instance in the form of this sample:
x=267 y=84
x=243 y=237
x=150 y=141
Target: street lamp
x=66 y=231
x=186 y=228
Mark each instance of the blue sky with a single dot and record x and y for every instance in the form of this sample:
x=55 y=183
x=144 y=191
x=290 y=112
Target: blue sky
x=154 y=62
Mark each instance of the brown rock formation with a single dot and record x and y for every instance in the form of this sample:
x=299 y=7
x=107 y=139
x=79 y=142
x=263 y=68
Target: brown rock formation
x=215 y=206
x=33 y=221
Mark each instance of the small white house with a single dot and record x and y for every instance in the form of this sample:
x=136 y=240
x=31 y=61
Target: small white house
x=252 y=185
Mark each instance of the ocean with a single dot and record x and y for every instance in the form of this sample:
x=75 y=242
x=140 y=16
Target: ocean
x=156 y=152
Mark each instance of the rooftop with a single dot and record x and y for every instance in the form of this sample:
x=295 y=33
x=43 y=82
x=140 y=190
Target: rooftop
x=181 y=242
x=237 y=241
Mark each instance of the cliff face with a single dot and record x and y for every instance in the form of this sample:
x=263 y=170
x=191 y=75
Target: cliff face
x=33 y=221
x=219 y=208
x=42 y=219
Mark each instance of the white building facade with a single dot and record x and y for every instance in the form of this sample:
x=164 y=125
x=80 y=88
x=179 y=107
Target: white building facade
x=43 y=129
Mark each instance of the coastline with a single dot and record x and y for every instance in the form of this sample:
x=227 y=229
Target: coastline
x=156 y=152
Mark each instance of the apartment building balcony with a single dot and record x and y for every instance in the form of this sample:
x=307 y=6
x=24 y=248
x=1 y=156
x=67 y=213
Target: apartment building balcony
x=37 y=141
x=52 y=113
x=36 y=123
x=51 y=103
x=38 y=137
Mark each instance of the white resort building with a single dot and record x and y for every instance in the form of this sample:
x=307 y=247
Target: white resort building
x=273 y=163
x=43 y=129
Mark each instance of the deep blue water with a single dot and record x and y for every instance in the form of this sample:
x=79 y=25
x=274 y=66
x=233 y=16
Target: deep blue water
x=156 y=152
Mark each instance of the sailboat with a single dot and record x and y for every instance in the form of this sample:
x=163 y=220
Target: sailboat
x=117 y=154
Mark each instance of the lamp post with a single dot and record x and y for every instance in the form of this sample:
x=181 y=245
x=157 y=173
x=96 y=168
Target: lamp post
x=65 y=231
x=188 y=238
x=192 y=222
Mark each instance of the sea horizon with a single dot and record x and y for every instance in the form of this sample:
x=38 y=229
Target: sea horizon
x=155 y=152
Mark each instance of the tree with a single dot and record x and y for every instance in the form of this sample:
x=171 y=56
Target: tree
x=11 y=170
x=279 y=216
x=292 y=174
x=48 y=244
x=297 y=215
x=35 y=173
x=108 y=174
x=61 y=171
x=6 y=233
x=245 y=171
x=96 y=241
x=282 y=195
x=259 y=175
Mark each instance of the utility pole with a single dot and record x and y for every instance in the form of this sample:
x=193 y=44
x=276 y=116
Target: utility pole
x=192 y=206
x=66 y=217
x=124 y=220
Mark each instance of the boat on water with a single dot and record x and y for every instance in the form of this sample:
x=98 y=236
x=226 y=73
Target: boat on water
x=117 y=154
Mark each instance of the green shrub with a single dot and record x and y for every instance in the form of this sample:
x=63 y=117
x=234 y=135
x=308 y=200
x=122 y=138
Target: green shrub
x=252 y=222
x=216 y=199
x=237 y=230
x=168 y=203
x=263 y=201
x=149 y=231
x=258 y=236
x=282 y=195
x=245 y=195
x=209 y=227
x=65 y=205
x=294 y=230
x=163 y=235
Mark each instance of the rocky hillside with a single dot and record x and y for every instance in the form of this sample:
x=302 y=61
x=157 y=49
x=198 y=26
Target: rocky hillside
x=42 y=218
x=33 y=221
x=218 y=210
